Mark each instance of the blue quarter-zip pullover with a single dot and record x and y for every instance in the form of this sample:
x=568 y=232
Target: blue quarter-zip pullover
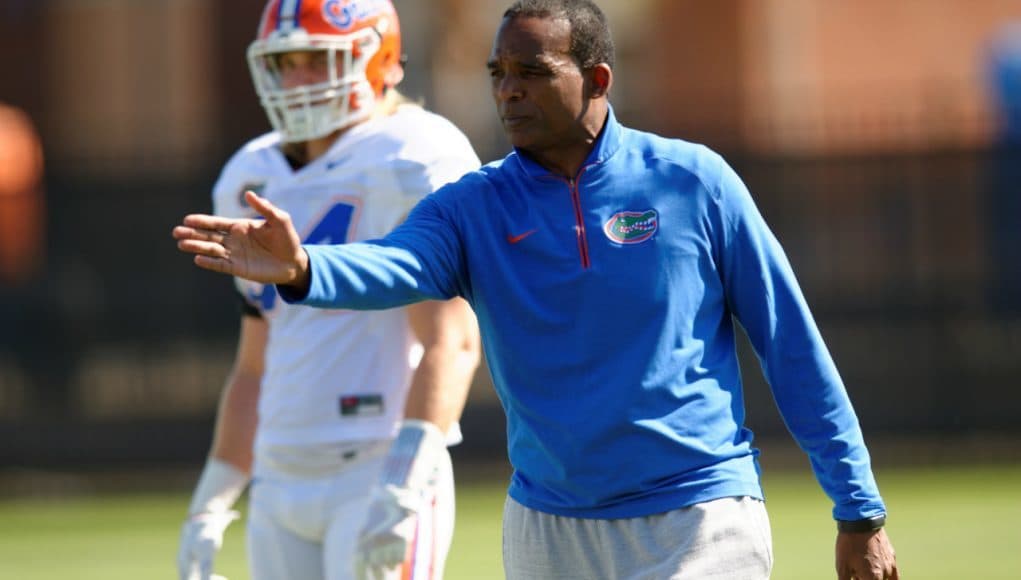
x=607 y=305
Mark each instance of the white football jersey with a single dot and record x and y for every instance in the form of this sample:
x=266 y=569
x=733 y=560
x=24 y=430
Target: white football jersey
x=337 y=374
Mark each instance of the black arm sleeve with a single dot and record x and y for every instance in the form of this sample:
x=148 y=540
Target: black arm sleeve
x=245 y=308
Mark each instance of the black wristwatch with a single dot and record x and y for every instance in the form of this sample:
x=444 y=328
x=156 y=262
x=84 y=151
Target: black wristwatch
x=865 y=525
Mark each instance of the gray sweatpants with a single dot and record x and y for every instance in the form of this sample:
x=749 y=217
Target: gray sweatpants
x=726 y=538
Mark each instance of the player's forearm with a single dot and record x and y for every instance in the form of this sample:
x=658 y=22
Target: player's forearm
x=236 y=421
x=439 y=387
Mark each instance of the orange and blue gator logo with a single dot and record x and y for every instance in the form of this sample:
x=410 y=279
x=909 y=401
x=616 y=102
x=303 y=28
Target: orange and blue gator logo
x=632 y=227
x=344 y=14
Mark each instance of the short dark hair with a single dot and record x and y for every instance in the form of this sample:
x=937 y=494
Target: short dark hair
x=591 y=42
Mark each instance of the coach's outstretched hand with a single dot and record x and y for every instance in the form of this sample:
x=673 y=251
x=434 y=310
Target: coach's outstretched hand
x=267 y=251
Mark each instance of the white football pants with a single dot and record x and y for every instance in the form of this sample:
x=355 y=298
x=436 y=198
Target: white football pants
x=307 y=507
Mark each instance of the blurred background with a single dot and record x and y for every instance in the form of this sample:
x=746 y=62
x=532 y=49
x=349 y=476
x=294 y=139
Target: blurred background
x=881 y=140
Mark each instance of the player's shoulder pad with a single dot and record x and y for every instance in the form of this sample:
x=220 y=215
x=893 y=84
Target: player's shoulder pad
x=252 y=156
x=424 y=133
x=248 y=168
x=467 y=186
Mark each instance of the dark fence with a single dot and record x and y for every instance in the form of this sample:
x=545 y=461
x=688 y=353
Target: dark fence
x=913 y=267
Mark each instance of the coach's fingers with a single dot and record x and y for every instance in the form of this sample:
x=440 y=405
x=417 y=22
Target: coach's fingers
x=203 y=248
x=221 y=265
x=202 y=221
x=187 y=233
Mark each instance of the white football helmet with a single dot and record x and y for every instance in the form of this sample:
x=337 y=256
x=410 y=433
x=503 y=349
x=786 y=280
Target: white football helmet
x=361 y=40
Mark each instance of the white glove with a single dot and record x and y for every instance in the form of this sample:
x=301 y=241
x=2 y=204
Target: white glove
x=389 y=530
x=201 y=539
x=202 y=533
x=408 y=476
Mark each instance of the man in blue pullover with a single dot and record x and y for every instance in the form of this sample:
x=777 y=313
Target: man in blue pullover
x=608 y=269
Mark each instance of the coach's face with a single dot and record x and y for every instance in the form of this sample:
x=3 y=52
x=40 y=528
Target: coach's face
x=538 y=87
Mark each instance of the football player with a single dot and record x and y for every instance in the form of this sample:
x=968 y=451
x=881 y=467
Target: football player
x=339 y=419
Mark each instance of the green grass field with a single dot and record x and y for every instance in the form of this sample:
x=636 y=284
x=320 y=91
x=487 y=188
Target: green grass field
x=946 y=523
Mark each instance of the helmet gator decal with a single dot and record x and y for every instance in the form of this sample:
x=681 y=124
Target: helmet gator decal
x=343 y=14
x=632 y=227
